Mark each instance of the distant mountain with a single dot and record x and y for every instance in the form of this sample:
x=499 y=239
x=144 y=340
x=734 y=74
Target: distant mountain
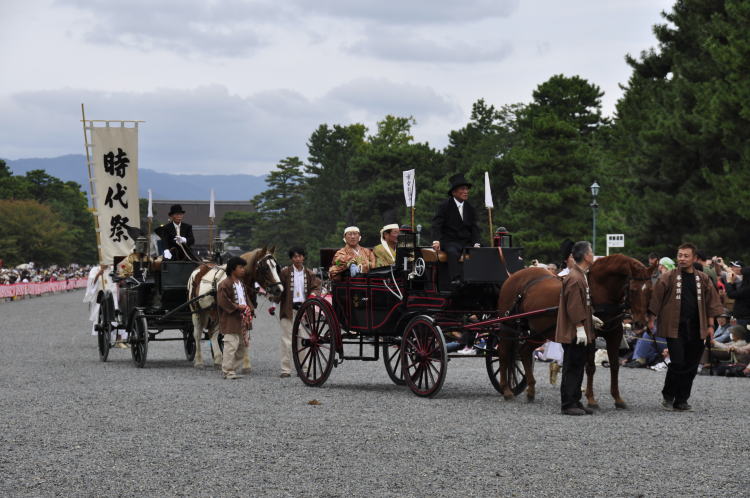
x=163 y=185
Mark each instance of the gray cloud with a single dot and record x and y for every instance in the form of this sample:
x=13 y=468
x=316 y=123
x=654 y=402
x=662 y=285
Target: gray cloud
x=228 y=28
x=408 y=45
x=412 y=11
x=208 y=129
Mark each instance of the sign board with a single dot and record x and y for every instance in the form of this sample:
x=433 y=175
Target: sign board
x=615 y=240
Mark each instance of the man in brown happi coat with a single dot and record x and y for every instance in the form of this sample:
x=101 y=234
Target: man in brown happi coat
x=235 y=317
x=685 y=302
x=299 y=282
x=575 y=329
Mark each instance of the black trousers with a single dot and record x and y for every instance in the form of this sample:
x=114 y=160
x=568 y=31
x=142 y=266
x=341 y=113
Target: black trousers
x=574 y=364
x=684 y=354
x=453 y=250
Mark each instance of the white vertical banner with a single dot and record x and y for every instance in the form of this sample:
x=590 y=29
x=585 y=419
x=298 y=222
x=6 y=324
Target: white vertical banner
x=115 y=172
x=410 y=188
x=211 y=209
x=487 y=191
x=150 y=213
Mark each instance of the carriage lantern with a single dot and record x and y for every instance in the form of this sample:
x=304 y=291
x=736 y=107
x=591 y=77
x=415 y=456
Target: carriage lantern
x=503 y=238
x=141 y=245
x=218 y=248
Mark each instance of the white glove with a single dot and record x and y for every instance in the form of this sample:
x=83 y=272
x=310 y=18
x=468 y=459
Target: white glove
x=581 y=335
x=353 y=270
x=477 y=245
x=181 y=240
x=167 y=254
x=598 y=324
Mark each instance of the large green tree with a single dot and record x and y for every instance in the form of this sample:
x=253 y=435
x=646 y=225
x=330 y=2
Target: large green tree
x=31 y=231
x=683 y=129
x=553 y=161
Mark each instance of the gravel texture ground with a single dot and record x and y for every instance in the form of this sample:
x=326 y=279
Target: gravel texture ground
x=73 y=426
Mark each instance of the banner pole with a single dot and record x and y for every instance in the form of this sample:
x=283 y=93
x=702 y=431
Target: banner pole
x=413 y=228
x=94 y=212
x=489 y=218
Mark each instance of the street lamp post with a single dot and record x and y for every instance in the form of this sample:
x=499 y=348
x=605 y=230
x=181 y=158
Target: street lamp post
x=594 y=206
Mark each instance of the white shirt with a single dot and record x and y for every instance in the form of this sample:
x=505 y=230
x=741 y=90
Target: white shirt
x=299 y=285
x=177 y=228
x=460 y=205
x=240 y=290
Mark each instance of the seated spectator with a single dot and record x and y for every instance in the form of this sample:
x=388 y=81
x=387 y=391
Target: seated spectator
x=723 y=352
x=721 y=334
x=738 y=288
x=648 y=350
x=666 y=264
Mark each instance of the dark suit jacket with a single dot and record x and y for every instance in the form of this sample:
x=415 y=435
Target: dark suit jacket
x=167 y=232
x=447 y=225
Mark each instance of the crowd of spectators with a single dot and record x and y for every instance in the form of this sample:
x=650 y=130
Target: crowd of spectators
x=30 y=273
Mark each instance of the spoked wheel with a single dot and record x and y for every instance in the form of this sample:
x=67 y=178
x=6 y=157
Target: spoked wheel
x=188 y=341
x=424 y=360
x=104 y=331
x=313 y=342
x=516 y=377
x=392 y=360
x=139 y=339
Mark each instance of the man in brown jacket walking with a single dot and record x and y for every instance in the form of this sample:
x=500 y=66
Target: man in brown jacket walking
x=235 y=317
x=299 y=282
x=685 y=302
x=575 y=329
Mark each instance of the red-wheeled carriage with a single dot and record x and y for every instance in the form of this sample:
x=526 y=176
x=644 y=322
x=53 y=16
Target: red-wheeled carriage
x=410 y=314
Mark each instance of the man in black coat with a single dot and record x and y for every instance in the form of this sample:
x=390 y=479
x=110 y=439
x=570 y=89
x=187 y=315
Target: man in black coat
x=455 y=225
x=177 y=236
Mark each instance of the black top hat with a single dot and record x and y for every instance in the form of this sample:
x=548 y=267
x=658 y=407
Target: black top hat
x=176 y=208
x=456 y=181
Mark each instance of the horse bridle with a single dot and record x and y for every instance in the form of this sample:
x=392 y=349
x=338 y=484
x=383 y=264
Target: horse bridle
x=622 y=309
x=262 y=268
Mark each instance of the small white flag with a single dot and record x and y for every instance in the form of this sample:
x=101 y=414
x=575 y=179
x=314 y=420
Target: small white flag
x=410 y=188
x=150 y=213
x=211 y=211
x=487 y=191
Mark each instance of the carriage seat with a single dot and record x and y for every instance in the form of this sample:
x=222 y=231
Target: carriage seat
x=430 y=255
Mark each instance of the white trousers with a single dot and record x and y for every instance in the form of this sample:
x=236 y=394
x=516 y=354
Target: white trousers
x=286 y=343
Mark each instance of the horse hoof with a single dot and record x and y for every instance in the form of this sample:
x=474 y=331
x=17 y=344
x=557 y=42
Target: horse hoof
x=245 y=371
x=198 y=366
x=594 y=406
x=217 y=365
x=508 y=397
x=621 y=405
x=530 y=399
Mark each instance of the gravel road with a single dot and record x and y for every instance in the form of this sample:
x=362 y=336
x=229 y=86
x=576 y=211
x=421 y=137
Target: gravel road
x=73 y=426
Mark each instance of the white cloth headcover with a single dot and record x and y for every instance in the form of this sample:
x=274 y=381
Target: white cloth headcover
x=385 y=244
x=350 y=229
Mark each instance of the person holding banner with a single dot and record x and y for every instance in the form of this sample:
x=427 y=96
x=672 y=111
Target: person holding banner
x=455 y=225
x=177 y=236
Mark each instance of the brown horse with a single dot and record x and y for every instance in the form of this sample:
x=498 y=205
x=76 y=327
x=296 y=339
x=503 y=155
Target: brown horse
x=618 y=283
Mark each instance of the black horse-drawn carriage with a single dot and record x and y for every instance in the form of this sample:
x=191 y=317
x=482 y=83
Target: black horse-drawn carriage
x=152 y=300
x=409 y=312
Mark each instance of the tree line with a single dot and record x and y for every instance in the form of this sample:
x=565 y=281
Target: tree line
x=673 y=162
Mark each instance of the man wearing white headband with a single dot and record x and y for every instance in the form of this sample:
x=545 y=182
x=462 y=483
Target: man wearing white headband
x=385 y=253
x=352 y=256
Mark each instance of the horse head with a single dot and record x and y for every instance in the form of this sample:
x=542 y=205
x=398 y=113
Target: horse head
x=621 y=283
x=268 y=272
x=639 y=292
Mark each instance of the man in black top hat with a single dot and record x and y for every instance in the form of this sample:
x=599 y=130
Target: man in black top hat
x=455 y=225
x=177 y=236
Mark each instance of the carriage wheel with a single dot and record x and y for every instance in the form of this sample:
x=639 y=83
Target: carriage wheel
x=424 y=359
x=188 y=341
x=313 y=343
x=392 y=360
x=516 y=378
x=104 y=332
x=139 y=339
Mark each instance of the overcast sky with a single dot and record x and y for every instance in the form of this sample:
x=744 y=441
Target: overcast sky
x=233 y=86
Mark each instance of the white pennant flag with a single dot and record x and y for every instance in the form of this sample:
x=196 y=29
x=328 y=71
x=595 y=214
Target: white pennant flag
x=211 y=211
x=150 y=213
x=487 y=191
x=410 y=188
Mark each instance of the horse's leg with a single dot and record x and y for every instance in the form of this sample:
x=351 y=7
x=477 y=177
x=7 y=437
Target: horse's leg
x=526 y=354
x=590 y=369
x=197 y=333
x=216 y=353
x=506 y=359
x=613 y=352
